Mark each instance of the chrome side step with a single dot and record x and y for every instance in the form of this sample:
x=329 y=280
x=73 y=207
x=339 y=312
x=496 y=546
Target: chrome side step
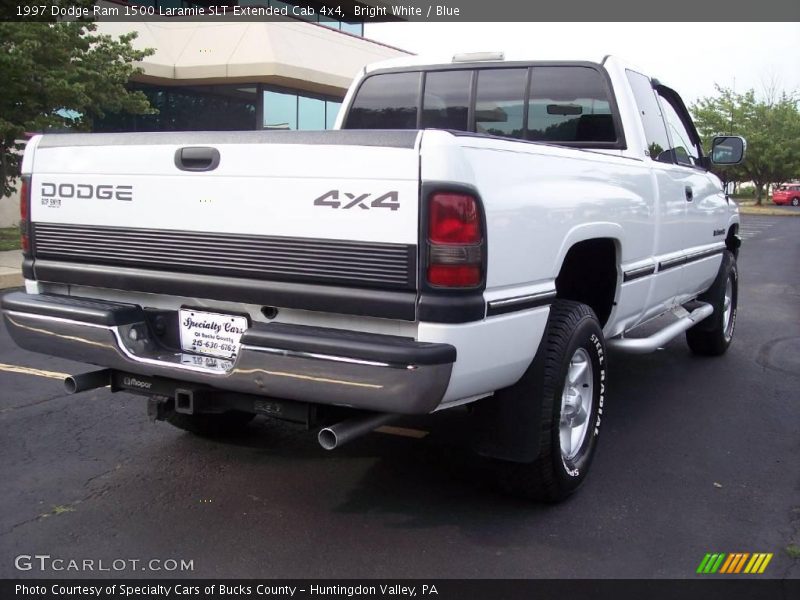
x=658 y=339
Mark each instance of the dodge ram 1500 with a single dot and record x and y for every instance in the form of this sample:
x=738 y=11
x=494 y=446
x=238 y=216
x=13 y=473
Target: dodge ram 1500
x=475 y=231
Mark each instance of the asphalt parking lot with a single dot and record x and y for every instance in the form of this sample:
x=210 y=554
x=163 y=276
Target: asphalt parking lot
x=697 y=456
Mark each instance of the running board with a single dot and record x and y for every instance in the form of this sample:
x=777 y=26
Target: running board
x=658 y=339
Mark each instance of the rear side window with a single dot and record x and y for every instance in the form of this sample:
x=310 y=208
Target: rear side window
x=655 y=129
x=386 y=102
x=569 y=104
x=446 y=101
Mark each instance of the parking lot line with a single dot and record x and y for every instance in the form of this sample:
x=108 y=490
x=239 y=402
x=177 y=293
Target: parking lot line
x=402 y=431
x=31 y=371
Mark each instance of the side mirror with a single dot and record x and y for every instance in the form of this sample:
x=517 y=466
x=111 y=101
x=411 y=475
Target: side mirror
x=728 y=150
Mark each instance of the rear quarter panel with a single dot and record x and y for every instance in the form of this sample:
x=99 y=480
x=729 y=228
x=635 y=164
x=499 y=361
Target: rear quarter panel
x=541 y=200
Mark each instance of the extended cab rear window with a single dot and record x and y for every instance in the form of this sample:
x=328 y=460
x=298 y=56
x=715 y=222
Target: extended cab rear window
x=386 y=102
x=562 y=104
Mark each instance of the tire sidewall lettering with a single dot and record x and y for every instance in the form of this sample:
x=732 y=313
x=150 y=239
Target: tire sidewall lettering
x=594 y=345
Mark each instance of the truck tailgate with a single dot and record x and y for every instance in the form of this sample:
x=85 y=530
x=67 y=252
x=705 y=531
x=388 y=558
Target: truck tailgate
x=335 y=206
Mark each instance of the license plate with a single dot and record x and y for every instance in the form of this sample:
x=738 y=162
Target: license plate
x=211 y=334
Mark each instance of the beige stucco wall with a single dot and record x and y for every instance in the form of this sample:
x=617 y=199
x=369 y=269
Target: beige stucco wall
x=294 y=54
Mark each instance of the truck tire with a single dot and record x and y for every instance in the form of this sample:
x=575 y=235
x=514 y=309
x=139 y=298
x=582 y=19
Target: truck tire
x=713 y=335
x=568 y=377
x=212 y=425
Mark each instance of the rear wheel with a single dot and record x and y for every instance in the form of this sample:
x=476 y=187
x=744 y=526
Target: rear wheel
x=568 y=378
x=212 y=425
x=713 y=335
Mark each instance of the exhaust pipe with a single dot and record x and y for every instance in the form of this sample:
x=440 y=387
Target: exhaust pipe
x=334 y=436
x=87 y=381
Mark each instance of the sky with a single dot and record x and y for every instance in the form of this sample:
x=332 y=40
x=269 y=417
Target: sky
x=689 y=57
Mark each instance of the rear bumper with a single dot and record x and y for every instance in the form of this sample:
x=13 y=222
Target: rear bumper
x=310 y=364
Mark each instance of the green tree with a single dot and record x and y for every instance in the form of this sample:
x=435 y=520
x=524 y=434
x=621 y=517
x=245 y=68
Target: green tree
x=770 y=125
x=57 y=76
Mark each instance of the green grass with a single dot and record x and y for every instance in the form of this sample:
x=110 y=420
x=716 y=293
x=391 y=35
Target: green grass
x=9 y=238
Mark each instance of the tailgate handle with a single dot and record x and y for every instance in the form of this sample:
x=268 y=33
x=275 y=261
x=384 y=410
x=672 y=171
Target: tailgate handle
x=197 y=158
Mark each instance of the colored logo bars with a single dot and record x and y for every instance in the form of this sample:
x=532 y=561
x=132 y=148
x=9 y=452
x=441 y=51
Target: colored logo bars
x=738 y=562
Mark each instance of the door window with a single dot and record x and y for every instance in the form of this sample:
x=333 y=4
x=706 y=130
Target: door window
x=683 y=149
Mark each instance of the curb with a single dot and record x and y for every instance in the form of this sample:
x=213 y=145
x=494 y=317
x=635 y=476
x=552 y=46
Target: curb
x=11 y=280
x=768 y=211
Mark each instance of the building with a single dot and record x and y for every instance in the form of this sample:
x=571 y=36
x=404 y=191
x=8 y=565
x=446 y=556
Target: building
x=217 y=74
x=213 y=74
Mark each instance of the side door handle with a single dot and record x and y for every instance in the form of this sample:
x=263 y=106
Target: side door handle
x=689 y=193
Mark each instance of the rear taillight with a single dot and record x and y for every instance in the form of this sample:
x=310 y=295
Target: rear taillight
x=24 y=215
x=455 y=241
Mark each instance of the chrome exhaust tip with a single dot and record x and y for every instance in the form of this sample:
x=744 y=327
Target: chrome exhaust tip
x=336 y=435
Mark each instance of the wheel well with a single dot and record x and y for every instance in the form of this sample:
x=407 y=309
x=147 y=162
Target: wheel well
x=589 y=275
x=732 y=242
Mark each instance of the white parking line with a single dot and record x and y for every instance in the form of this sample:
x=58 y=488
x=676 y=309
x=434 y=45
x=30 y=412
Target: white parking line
x=752 y=227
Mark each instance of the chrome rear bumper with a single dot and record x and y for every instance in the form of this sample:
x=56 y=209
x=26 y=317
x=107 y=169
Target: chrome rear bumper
x=309 y=364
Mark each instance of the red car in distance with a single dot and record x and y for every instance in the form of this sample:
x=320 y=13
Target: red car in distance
x=787 y=194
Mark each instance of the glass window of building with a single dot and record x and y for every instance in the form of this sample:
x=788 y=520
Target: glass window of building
x=282 y=6
x=446 y=101
x=280 y=110
x=310 y=113
x=331 y=112
x=500 y=102
x=188 y=108
x=354 y=28
x=569 y=104
x=387 y=101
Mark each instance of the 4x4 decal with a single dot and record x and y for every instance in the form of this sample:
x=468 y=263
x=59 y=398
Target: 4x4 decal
x=388 y=200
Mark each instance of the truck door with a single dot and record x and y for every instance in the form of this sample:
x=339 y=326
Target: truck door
x=669 y=184
x=705 y=221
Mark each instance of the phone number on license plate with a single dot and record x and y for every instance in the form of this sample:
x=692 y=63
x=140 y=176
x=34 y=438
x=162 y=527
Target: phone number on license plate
x=212 y=334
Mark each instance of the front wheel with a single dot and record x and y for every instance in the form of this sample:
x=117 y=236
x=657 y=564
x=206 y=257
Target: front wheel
x=713 y=335
x=568 y=378
x=795 y=201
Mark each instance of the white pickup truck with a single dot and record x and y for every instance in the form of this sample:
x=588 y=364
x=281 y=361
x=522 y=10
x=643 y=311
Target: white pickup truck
x=476 y=231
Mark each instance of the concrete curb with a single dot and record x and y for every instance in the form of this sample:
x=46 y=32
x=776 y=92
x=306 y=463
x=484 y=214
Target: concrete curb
x=11 y=280
x=11 y=269
x=768 y=211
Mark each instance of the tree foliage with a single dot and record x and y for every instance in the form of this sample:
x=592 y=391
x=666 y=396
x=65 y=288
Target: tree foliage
x=771 y=126
x=58 y=76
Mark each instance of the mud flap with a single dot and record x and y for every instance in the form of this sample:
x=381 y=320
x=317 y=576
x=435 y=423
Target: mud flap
x=507 y=425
